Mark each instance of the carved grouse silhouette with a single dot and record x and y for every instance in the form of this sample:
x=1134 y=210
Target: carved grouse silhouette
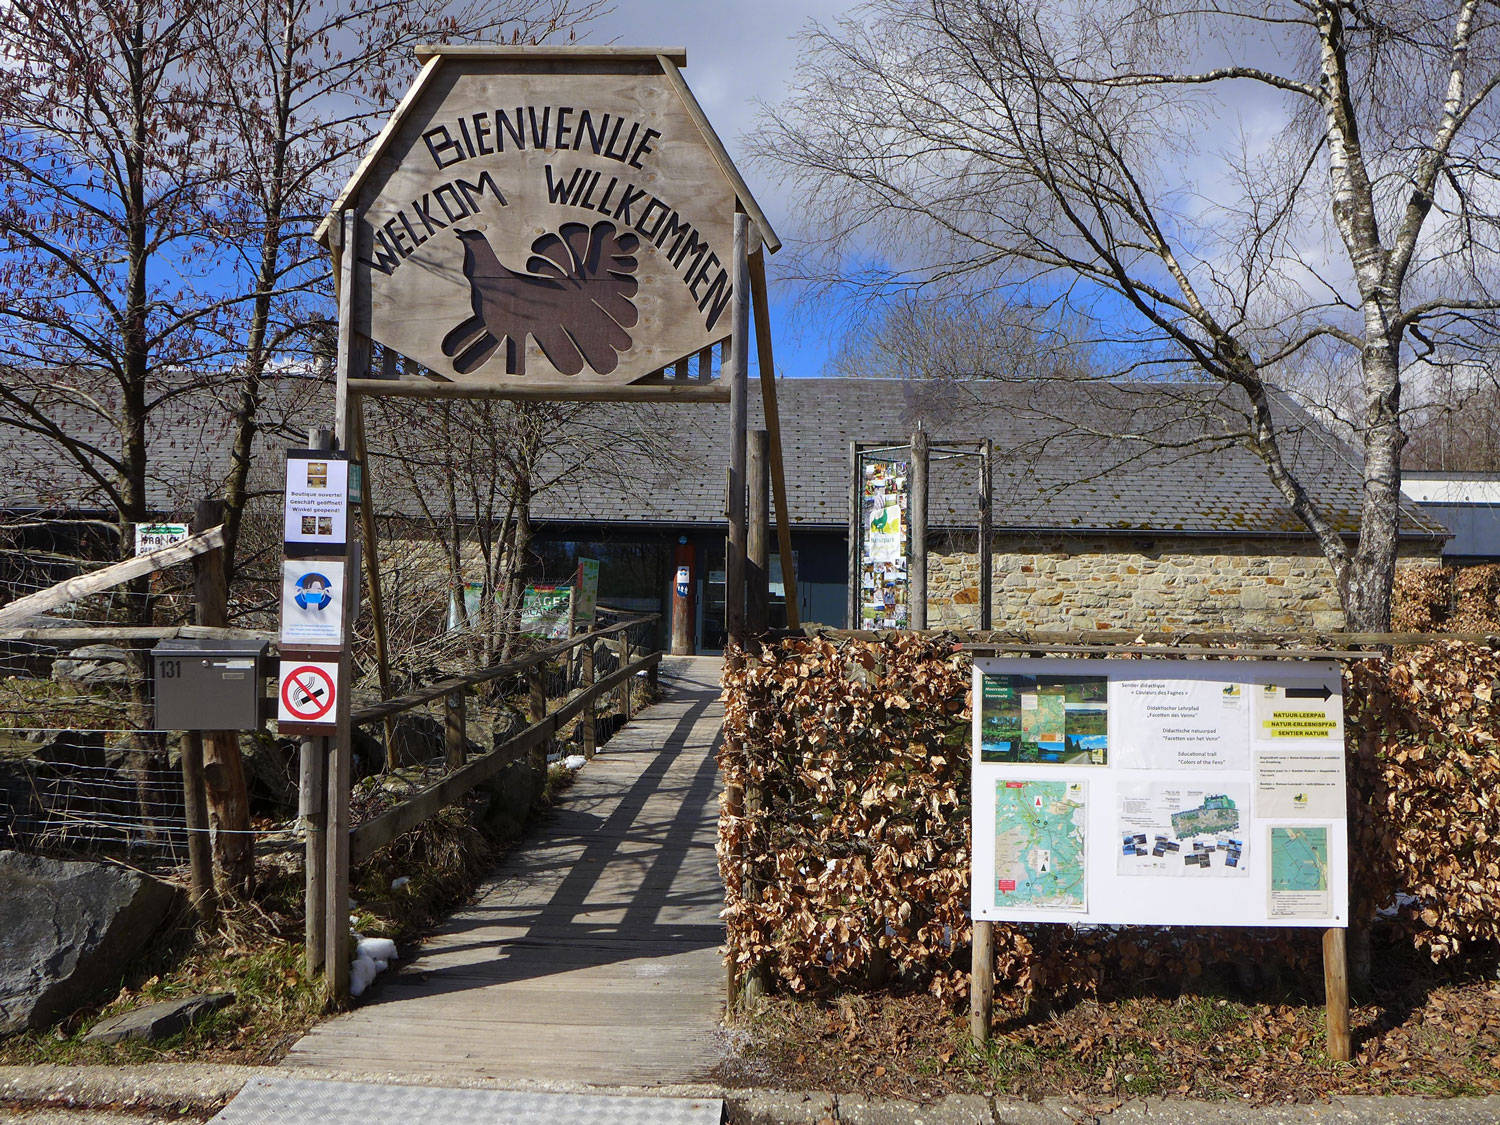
x=574 y=299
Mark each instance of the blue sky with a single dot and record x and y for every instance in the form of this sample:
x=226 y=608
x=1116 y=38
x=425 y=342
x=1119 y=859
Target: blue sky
x=739 y=54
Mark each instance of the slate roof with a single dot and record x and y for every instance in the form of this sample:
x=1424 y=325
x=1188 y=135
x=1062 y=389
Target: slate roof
x=1061 y=463
x=1068 y=457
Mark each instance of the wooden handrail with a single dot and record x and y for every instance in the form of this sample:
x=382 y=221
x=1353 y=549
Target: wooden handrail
x=406 y=702
x=380 y=830
x=33 y=605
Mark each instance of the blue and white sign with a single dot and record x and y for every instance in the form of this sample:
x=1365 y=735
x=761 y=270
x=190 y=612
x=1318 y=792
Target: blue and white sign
x=312 y=603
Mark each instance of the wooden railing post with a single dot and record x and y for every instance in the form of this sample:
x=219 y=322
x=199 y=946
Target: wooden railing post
x=455 y=728
x=623 y=643
x=586 y=718
x=537 y=699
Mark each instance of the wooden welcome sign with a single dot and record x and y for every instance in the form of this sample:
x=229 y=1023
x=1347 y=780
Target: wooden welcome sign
x=546 y=217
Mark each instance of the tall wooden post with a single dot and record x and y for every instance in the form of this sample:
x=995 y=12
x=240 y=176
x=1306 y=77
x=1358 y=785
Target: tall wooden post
x=682 y=601
x=986 y=537
x=856 y=532
x=916 y=591
x=758 y=566
x=353 y=361
x=223 y=773
x=312 y=801
x=195 y=809
x=739 y=370
x=1336 y=995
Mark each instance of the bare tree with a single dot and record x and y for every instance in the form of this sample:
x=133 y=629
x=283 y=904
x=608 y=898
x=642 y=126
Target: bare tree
x=298 y=89
x=1113 y=157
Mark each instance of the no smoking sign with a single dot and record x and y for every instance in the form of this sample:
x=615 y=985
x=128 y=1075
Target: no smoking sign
x=308 y=694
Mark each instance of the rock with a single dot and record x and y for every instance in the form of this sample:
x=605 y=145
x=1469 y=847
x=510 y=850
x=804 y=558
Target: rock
x=511 y=794
x=74 y=749
x=368 y=755
x=416 y=739
x=271 y=772
x=158 y=1021
x=95 y=664
x=71 y=929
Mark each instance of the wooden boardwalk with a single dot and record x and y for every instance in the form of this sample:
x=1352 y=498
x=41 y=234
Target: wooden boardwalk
x=591 y=955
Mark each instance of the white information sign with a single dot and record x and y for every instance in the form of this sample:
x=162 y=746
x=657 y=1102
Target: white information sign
x=1100 y=787
x=154 y=536
x=317 y=500
x=307 y=693
x=312 y=603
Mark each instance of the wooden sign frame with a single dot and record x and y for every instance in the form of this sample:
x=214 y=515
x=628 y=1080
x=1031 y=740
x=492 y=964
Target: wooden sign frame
x=715 y=370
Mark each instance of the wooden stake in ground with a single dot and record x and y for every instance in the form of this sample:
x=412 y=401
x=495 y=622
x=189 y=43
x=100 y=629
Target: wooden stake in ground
x=195 y=808
x=982 y=983
x=1336 y=990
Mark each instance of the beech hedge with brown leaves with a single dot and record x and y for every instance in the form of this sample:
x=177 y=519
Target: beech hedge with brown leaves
x=848 y=866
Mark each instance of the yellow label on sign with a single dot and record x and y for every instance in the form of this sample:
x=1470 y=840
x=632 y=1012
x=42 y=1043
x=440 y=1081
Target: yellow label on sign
x=1299 y=724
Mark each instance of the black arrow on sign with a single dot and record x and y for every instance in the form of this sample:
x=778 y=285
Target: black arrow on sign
x=1320 y=692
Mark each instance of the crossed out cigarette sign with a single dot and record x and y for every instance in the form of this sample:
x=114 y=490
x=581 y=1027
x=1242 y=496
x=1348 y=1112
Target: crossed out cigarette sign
x=309 y=690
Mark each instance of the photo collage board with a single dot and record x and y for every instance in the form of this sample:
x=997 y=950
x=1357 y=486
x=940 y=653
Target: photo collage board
x=1103 y=788
x=885 y=522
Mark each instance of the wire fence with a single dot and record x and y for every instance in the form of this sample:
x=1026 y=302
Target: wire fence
x=83 y=772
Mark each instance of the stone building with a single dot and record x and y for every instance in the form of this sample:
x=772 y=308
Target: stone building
x=1115 y=505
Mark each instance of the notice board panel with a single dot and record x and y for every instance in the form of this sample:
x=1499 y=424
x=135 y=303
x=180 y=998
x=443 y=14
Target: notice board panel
x=1159 y=792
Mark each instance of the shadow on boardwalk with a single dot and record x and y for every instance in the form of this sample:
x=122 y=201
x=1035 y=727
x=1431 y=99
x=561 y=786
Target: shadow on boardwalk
x=591 y=955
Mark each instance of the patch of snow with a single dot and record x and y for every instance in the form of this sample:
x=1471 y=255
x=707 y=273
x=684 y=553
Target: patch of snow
x=574 y=761
x=362 y=971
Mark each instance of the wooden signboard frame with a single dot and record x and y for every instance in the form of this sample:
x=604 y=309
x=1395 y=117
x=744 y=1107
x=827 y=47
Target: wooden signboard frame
x=483 y=360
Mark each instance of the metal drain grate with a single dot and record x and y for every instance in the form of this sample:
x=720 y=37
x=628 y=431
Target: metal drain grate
x=295 y=1101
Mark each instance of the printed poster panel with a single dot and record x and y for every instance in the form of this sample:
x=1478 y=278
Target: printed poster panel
x=316 y=509
x=1300 y=859
x=1182 y=723
x=1179 y=830
x=547 y=612
x=1040 y=845
x=1102 y=787
x=884 y=516
x=312 y=603
x=1061 y=720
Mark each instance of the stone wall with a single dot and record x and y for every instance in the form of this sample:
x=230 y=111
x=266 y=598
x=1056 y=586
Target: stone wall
x=1115 y=582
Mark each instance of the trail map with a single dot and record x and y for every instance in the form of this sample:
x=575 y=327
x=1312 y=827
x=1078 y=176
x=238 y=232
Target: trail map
x=1039 y=845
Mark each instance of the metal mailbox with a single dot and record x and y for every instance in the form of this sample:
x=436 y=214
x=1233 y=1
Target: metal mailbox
x=208 y=684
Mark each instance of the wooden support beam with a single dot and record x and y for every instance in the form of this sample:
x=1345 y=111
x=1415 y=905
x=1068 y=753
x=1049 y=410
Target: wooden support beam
x=772 y=413
x=856 y=530
x=368 y=532
x=734 y=561
x=629 y=392
x=758 y=563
